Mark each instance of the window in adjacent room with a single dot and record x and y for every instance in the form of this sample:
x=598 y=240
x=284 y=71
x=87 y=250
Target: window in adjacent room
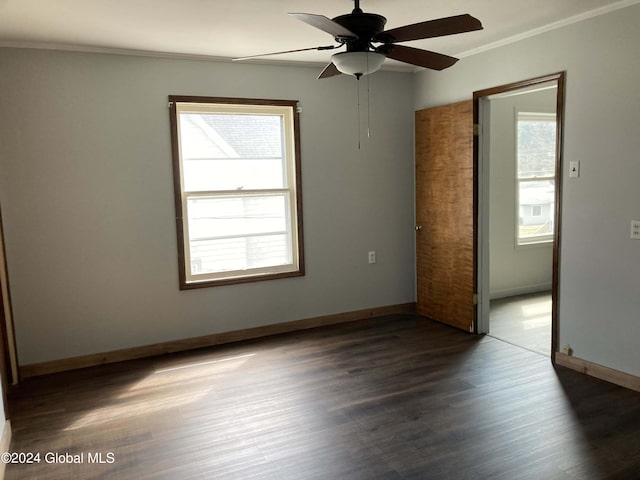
x=536 y=166
x=237 y=187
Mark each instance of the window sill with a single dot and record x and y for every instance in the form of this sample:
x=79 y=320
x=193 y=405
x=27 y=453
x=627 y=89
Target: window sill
x=539 y=242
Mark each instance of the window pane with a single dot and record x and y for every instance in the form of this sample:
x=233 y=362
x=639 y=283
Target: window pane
x=236 y=174
x=231 y=152
x=536 y=148
x=536 y=209
x=237 y=254
x=238 y=233
x=221 y=217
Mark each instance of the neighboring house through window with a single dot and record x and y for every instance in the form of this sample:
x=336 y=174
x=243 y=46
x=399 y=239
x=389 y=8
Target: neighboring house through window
x=237 y=188
x=536 y=166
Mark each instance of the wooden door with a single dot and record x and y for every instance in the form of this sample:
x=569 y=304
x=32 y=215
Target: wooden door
x=444 y=214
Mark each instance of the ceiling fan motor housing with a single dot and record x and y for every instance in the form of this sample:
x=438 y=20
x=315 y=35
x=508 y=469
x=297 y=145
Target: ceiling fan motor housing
x=364 y=25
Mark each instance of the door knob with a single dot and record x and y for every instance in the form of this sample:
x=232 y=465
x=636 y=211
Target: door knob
x=418 y=228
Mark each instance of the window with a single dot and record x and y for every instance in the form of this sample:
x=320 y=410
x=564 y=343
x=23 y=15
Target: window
x=237 y=186
x=536 y=166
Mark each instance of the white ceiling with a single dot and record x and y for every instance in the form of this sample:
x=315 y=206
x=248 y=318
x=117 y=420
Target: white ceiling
x=223 y=29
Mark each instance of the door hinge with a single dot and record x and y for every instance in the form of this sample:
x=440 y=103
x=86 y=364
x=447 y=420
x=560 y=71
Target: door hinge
x=475 y=299
x=476 y=129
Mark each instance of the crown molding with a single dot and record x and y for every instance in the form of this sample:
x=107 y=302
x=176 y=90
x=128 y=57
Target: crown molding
x=550 y=27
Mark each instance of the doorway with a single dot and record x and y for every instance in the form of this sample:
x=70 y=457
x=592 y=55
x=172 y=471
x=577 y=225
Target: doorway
x=518 y=160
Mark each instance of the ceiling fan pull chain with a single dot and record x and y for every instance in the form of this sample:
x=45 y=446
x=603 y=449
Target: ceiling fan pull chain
x=368 y=103
x=358 y=95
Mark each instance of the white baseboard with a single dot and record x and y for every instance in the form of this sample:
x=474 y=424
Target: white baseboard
x=512 y=292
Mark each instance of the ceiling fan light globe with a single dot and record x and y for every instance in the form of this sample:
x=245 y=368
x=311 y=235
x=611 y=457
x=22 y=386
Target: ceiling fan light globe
x=358 y=63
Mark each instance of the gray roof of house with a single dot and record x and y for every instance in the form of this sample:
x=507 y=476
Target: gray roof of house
x=251 y=136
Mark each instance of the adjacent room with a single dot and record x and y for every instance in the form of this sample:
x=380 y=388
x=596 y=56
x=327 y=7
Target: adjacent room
x=364 y=241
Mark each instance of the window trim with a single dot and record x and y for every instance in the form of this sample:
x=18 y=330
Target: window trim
x=180 y=197
x=548 y=238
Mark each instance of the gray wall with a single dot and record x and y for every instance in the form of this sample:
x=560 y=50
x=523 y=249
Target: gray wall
x=87 y=195
x=513 y=269
x=599 y=304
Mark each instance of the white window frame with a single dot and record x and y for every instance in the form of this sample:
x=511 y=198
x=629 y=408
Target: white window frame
x=538 y=239
x=291 y=191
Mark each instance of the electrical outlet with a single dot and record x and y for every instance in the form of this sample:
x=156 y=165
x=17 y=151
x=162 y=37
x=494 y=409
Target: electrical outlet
x=635 y=229
x=372 y=256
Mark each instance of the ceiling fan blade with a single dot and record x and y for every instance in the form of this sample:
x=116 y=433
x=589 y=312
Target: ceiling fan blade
x=326 y=25
x=430 y=29
x=421 y=58
x=328 y=47
x=329 y=71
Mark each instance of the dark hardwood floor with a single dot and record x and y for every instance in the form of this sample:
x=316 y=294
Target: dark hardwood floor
x=395 y=397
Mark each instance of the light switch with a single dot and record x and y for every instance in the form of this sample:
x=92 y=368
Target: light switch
x=574 y=169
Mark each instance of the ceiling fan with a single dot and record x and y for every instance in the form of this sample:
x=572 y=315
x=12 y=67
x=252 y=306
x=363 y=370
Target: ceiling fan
x=368 y=44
